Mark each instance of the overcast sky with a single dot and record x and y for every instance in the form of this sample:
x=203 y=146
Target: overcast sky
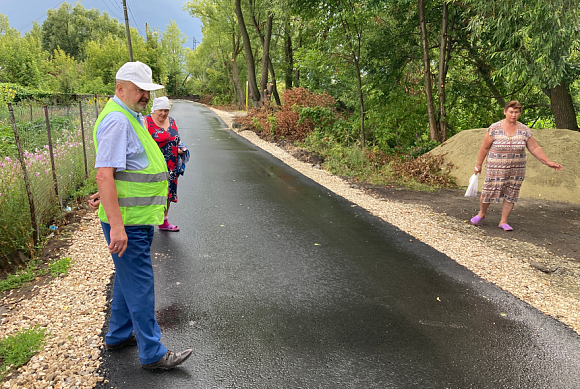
x=21 y=14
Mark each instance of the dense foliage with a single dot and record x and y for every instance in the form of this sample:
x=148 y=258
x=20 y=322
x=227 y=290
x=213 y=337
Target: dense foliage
x=76 y=50
x=403 y=90
x=405 y=75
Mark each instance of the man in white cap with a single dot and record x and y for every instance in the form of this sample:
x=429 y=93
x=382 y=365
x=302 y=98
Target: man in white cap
x=132 y=182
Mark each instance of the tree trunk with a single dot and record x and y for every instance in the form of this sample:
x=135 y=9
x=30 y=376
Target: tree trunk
x=253 y=86
x=265 y=39
x=266 y=54
x=444 y=50
x=297 y=72
x=563 y=107
x=362 y=104
x=427 y=71
x=288 y=57
x=240 y=95
x=274 y=85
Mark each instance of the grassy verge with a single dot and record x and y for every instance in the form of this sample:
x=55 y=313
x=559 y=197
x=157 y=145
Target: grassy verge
x=33 y=270
x=17 y=349
x=425 y=173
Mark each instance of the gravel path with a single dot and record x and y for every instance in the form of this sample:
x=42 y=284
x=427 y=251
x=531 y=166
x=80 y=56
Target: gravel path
x=72 y=308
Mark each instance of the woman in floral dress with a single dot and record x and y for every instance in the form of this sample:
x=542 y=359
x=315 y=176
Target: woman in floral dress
x=164 y=130
x=504 y=146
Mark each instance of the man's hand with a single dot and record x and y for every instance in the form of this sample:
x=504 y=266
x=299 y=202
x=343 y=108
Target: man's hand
x=118 y=240
x=94 y=201
x=110 y=202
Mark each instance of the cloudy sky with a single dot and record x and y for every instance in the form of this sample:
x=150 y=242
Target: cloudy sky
x=21 y=14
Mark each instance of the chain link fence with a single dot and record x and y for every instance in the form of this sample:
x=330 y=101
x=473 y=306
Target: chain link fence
x=47 y=154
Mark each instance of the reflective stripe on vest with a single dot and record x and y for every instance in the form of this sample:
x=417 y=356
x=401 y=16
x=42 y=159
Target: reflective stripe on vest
x=141 y=201
x=140 y=177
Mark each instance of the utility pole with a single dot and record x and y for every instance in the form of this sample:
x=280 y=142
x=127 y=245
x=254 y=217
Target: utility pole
x=128 y=31
x=194 y=43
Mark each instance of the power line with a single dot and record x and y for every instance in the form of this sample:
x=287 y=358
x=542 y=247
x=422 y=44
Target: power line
x=41 y=16
x=111 y=11
x=139 y=15
x=133 y=17
x=114 y=5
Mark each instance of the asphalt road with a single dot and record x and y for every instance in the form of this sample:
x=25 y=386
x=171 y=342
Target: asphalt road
x=275 y=282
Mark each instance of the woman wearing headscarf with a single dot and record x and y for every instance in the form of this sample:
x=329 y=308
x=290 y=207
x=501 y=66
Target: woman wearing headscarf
x=163 y=129
x=504 y=146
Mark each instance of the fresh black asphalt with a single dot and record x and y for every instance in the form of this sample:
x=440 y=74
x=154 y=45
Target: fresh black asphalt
x=276 y=282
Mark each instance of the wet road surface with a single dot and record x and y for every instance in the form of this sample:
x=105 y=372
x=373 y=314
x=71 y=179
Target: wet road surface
x=275 y=282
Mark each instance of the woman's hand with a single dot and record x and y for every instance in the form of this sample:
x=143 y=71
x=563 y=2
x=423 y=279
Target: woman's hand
x=477 y=169
x=554 y=165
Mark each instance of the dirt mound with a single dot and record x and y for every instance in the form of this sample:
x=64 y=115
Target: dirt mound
x=542 y=182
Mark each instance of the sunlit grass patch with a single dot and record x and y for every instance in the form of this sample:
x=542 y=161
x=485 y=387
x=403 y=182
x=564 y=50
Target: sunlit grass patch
x=17 y=349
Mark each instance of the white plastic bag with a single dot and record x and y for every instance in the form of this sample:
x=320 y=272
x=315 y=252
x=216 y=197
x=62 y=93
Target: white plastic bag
x=472 y=188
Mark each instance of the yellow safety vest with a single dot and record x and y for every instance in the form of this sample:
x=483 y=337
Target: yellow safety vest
x=142 y=193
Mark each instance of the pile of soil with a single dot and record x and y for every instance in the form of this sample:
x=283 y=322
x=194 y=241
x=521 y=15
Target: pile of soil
x=542 y=182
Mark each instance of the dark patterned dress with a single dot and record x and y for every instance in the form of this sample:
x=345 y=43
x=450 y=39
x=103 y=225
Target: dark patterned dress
x=505 y=168
x=168 y=142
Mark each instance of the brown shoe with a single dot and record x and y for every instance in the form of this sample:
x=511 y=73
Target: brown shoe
x=132 y=341
x=169 y=360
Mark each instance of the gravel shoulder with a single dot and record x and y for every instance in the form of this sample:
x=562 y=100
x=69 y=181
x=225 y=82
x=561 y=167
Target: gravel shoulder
x=72 y=308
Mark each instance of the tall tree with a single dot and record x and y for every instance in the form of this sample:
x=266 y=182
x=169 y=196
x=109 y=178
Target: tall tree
x=172 y=41
x=70 y=28
x=533 y=42
x=343 y=28
x=255 y=94
x=20 y=58
x=264 y=31
x=64 y=73
x=427 y=71
x=218 y=18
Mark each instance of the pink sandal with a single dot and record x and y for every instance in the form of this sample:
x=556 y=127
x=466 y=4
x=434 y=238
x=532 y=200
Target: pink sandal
x=476 y=219
x=168 y=227
x=505 y=227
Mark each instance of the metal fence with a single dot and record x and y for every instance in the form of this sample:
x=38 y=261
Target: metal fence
x=48 y=158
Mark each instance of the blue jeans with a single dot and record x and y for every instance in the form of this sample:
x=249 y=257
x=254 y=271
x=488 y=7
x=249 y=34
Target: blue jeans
x=133 y=306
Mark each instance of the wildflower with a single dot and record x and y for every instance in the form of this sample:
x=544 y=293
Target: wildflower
x=8 y=159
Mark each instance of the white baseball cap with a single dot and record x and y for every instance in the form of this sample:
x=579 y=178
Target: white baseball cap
x=139 y=74
x=160 y=103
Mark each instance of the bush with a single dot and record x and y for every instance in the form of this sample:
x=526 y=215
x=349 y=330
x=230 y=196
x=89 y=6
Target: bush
x=294 y=119
x=427 y=169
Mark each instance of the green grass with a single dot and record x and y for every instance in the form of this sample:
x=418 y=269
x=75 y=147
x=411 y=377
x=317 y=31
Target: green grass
x=14 y=281
x=17 y=349
x=60 y=267
x=18 y=279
